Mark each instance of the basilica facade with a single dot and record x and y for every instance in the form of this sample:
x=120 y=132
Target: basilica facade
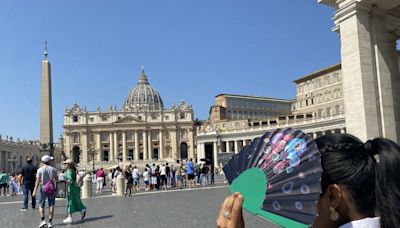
x=143 y=130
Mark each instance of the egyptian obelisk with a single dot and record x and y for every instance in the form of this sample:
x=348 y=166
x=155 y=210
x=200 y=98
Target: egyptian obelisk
x=46 y=113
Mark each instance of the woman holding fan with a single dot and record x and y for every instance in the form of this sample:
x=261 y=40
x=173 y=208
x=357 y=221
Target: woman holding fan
x=359 y=182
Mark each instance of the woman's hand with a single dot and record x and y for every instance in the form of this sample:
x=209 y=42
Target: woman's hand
x=230 y=215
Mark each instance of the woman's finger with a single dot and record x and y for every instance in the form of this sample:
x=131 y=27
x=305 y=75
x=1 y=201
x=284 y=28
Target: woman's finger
x=236 y=214
x=229 y=204
x=223 y=206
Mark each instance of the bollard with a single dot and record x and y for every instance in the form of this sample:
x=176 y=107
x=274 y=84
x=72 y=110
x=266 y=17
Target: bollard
x=120 y=185
x=87 y=187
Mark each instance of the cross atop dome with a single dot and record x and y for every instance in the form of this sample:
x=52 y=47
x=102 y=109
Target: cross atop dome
x=143 y=77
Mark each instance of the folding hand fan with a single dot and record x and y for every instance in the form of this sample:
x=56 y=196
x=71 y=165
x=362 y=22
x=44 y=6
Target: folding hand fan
x=279 y=177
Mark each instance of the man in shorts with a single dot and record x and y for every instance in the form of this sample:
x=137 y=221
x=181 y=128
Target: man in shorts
x=190 y=173
x=146 y=177
x=44 y=174
x=178 y=174
x=135 y=175
x=153 y=176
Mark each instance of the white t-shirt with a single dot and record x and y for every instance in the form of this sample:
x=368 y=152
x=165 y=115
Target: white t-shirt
x=363 y=223
x=61 y=177
x=116 y=174
x=135 y=173
x=146 y=176
x=163 y=170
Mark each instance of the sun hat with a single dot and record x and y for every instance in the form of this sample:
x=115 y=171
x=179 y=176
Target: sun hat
x=68 y=161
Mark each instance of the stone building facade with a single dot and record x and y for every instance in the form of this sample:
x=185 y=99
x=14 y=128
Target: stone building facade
x=239 y=107
x=142 y=131
x=369 y=30
x=13 y=154
x=317 y=110
x=320 y=93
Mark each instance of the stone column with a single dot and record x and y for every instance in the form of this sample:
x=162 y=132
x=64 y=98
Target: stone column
x=111 y=152
x=236 y=147
x=244 y=143
x=315 y=135
x=342 y=130
x=116 y=152
x=215 y=154
x=198 y=150
x=228 y=146
x=84 y=144
x=124 y=150
x=202 y=153
x=174 y=146
x=371 y=75
x=161 y=144
x=67 y=145
x=98 y=147
x=136 y=146
x=150 y=145
x=191 y=140
x=8 y=165
x=145 y=145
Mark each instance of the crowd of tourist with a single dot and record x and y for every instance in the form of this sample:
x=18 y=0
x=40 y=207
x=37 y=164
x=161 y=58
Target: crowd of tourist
x=32 y=180
x=10 y=184
x=162 y=176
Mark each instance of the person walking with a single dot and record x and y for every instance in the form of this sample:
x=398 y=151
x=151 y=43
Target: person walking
x=212 y=173
x=168 y=175
x=129 y=181
x=14 y=185
x=74 y=202
x=100 y=178
x=146 y=177
x=178 y=174
x=135 y=176
x=163 y=177
x=184 y=174
x=3 y=182
x=190 y=173
x=153 y=178
x=19 y=182
x=46 y=178
x=203 y=175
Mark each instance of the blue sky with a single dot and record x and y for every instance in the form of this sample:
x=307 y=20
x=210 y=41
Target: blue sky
x=191 y=50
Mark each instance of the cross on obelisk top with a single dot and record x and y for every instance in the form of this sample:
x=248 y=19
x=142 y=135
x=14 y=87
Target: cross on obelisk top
x=45 y=49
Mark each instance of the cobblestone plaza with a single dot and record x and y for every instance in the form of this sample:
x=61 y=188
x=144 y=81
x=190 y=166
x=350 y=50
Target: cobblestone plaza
x=197 y=207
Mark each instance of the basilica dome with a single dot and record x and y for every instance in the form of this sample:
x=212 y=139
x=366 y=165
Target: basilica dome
x=143 y=97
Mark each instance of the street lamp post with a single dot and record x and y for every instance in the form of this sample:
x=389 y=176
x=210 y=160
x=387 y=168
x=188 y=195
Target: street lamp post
x=92 y=151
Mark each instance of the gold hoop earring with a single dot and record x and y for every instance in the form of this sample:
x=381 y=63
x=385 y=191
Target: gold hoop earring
x=334 y=215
